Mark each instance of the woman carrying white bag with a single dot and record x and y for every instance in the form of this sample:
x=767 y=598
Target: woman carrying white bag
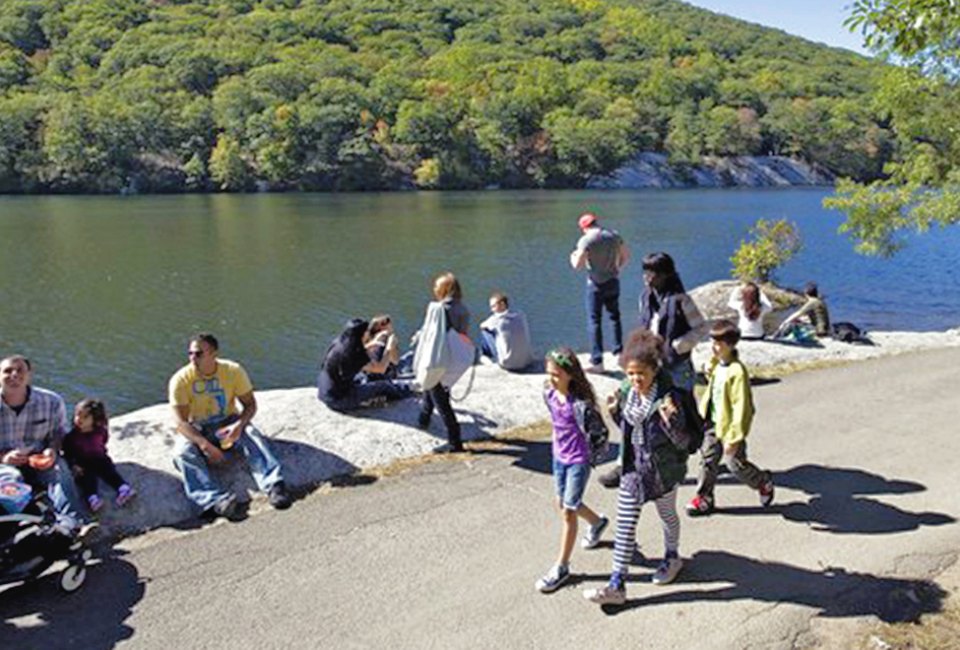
x=444 y=352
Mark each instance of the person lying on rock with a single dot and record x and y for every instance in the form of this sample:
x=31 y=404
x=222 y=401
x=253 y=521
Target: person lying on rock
x=203 y=395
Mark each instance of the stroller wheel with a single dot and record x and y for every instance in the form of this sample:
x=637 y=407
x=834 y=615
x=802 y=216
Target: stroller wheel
x=72 y=577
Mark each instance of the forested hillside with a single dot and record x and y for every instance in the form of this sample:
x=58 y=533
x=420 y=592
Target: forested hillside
x=174 y=95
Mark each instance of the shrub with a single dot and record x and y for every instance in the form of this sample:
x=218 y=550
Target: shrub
x=772 y=245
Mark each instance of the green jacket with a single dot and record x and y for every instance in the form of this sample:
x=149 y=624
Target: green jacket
x=733 y=416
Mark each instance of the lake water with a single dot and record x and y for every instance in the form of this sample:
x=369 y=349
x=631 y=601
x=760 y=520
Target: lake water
x=103 y=292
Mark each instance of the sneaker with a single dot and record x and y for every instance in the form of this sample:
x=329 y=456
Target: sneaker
x=227 y=507
x=611 y=479
x=594 y=369
x=766 y=493
x=613 y=593
x=699 y=506
x=447 y=448
x=95 y=502
x=87 y=530
x=555 y=578
x=667 y=571
x=592 y=538
x=279 y=497
x=124 y=493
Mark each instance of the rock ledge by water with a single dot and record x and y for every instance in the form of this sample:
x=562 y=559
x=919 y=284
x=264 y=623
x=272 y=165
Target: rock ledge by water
x=653 y=170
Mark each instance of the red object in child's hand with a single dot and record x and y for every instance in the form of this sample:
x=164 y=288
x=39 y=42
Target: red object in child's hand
x=40 y=461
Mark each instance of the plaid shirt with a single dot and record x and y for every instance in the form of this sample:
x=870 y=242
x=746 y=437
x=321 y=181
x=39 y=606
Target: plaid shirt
x=42 y=420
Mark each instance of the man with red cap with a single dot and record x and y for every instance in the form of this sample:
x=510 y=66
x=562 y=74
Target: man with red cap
x=603 y=253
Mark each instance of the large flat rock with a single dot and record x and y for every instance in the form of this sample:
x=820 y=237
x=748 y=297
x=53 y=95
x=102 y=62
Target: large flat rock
x=316 y=444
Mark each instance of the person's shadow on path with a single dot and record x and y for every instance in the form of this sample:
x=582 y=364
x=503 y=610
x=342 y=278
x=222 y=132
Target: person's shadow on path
x=834 y=591
x=38 y=615
x=837 y=504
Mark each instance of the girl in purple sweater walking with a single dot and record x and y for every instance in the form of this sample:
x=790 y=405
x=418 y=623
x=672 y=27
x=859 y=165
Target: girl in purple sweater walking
x=85 y=448
x=569 y=397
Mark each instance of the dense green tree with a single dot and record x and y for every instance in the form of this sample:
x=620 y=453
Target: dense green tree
x=104 y=95
x=922 y=187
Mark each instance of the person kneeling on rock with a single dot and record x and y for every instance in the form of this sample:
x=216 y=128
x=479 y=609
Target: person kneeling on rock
x=203 y=395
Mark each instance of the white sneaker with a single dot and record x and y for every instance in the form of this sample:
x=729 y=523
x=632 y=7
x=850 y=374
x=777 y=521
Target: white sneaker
x=594 y=368
x=592 y=538
x=667 y=571
x=606 y=595
x=556 y=577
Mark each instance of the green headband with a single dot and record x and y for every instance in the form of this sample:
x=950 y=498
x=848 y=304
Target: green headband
x=561 y=359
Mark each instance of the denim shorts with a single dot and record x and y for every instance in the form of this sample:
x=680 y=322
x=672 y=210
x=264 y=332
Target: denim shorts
x=571 y=481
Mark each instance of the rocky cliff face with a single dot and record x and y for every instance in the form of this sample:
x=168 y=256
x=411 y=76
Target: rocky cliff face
x=654 y=170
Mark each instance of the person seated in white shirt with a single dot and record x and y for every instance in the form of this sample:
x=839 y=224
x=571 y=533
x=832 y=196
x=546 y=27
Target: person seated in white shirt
x=751 y=306
x=505 y=335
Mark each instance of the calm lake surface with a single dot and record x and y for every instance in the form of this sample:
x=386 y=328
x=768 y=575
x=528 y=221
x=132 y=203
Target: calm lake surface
x=103 y=292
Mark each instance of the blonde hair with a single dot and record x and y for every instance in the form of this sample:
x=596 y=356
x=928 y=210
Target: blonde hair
x=446 y=286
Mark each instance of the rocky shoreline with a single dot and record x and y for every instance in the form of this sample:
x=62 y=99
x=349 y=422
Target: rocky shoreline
x=654 y=170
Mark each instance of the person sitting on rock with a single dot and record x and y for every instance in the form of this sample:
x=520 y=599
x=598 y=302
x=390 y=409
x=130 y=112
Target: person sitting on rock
x=814 y=311
x=203 y=395
x=33 y=422
x=347 y=356
x=751 y=306
x=382 y=346
x=505 y=335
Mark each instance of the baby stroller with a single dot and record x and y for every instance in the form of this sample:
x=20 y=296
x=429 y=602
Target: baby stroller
x=33 y=536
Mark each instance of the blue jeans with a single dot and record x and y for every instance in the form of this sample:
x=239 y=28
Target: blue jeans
x=361 y=395
x=571 y=482
x=58 y=480
x=200 y=486
x=600 y=297
x=488 y=344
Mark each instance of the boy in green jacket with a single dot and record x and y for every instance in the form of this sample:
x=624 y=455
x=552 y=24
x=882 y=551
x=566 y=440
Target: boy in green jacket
x=727 y=410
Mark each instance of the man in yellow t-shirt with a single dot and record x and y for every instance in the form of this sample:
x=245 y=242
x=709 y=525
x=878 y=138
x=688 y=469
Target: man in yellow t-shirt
x=204 y=395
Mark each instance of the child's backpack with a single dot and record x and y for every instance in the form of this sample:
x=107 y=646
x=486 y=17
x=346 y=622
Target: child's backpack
x=598 y=437
x=693 y=422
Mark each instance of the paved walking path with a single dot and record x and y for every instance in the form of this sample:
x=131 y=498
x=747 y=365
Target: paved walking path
x=445 y=555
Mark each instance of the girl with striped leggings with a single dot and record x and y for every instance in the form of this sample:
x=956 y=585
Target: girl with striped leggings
x=653 y=416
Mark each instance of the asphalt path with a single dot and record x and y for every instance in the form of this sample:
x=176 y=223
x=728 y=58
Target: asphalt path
x=445 y=555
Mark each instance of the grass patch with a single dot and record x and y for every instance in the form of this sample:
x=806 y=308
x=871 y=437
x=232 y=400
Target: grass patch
x=940 y=631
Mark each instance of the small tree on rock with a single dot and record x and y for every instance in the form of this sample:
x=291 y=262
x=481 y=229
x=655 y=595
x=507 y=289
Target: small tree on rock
x=772 y=244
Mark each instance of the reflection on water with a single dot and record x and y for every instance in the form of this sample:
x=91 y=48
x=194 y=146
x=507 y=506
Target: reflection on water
x=102 y=292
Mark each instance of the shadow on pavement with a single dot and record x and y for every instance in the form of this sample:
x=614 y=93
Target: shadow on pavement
x=834 y=591
x=836 y=504
x=532 y=455
x=39 y=615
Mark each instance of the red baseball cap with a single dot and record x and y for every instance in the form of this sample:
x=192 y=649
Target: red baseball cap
x=587 y=219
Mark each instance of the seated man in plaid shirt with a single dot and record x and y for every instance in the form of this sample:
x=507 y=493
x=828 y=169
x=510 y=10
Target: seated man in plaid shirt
x=33 y=422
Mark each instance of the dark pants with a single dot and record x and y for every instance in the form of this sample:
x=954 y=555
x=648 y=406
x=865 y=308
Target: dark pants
x=368 y=394
x=711 y=451
x=97 y=467
x=600 y=297
x=440 y=397
x=488 y=344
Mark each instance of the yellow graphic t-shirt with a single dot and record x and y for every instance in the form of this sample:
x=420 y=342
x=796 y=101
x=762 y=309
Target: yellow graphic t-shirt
x=211 y=398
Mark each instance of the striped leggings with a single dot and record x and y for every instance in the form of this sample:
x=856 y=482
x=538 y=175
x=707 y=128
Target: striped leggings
x=628 y=514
